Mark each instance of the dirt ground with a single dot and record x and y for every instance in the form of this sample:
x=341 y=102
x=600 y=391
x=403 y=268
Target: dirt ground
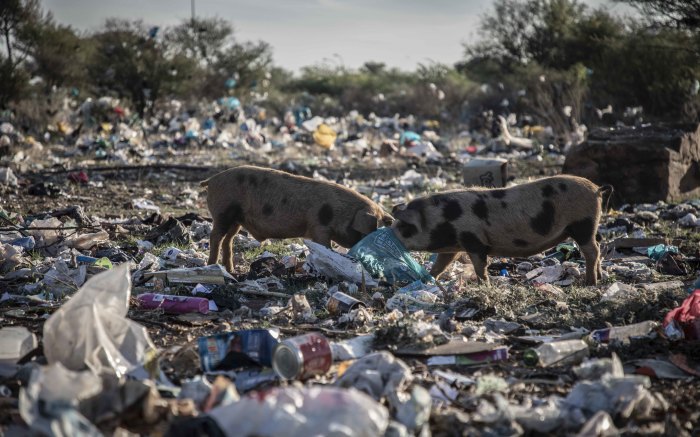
x=174 y=186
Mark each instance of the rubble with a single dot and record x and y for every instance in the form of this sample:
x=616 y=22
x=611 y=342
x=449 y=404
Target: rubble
x=644 y=164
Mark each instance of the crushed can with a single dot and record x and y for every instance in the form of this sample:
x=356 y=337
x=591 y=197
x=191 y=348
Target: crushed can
x=340 y=303
x=303 y=356
x=232 y=350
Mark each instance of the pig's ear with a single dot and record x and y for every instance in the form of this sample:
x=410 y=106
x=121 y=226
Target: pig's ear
x=364 y=222
x=398 y=207
x=407 y=222
x=387 y=219
x=406 y=215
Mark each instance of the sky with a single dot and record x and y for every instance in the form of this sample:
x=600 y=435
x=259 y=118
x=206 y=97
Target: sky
x=400 y=33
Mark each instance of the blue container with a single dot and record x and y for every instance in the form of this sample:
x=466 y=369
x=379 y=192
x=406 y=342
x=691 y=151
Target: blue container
x=232 y=350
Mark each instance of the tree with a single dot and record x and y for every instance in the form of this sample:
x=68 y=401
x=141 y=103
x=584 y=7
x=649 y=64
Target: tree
x=505 y=33
x=210 y=42
x=13 y=81
x=654 y=69
x=247 y=62
x=57 y=54
x=682 y=14
x=553 y=29
x=203 y=39
x=522 y=31
x=372 y=67
x=132 y=62
x=15 y=16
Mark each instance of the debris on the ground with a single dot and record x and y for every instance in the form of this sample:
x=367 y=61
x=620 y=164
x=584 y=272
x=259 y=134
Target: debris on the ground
x=112 y=320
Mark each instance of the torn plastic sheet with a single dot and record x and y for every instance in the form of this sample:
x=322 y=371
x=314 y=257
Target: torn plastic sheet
x=334 y=265
x=91 y=329
x=49 y=403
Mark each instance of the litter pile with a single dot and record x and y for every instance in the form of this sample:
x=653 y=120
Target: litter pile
x=112 y=321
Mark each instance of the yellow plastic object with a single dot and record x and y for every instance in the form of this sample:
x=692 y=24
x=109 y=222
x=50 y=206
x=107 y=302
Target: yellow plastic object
x=432 y=124
x=107 y=127
x=533 y=130
x=104 y=262
x=324 y=136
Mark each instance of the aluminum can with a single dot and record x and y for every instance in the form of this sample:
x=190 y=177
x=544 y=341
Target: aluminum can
x=303 y=356
x=340 y=303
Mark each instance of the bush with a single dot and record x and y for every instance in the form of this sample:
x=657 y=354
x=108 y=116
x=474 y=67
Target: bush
x=653 y=69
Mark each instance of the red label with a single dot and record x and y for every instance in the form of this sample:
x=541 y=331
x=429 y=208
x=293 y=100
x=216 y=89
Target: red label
x=316 y=353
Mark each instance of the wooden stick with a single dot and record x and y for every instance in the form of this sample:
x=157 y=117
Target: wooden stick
x=262 y=293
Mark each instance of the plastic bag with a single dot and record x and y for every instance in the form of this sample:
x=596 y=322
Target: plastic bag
x=49 y=403
x=334 y=265
x=408 y=137
x=379 y=374
x=88 y=241
x=325 y=136
x=656 y=252
x=7 y=177
x=91 y=330
x=686 y=318
x=384 y=256
x=307 y=411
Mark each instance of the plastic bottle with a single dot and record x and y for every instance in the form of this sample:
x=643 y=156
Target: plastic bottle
x=623 y=333
x=557 y=353
x=174 y=304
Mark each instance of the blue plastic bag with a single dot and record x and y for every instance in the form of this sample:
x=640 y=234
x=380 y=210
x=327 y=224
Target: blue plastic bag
x=408 y=136
x=230 y=103
x=385 y=257
x=656 y=252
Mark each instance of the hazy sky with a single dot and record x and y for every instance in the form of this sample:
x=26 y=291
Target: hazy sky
x=401 y=33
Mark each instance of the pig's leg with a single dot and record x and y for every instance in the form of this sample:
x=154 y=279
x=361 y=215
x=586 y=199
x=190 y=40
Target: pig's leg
x=583 y=232
x=480 y=261
x=228 y=247
x=321 y=235
x=217 y=234
x=443 y=260
x=591 y=252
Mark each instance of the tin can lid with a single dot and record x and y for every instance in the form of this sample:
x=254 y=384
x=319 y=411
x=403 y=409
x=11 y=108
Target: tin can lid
x=286 y=361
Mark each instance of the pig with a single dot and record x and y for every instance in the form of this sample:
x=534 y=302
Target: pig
x=273 y=204
x=519 y=221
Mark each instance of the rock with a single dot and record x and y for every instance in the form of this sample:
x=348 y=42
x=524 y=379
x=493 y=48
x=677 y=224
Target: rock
x=642 y=164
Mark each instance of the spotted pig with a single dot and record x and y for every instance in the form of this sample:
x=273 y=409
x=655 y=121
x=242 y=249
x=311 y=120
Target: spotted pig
x=273 y=204
x=520 y=221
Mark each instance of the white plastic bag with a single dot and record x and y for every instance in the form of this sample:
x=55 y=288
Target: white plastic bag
x=307 y=411
x=46 y=237
x=49 y=402
x=334 y=265
x=91 y=330
x=88 y=241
